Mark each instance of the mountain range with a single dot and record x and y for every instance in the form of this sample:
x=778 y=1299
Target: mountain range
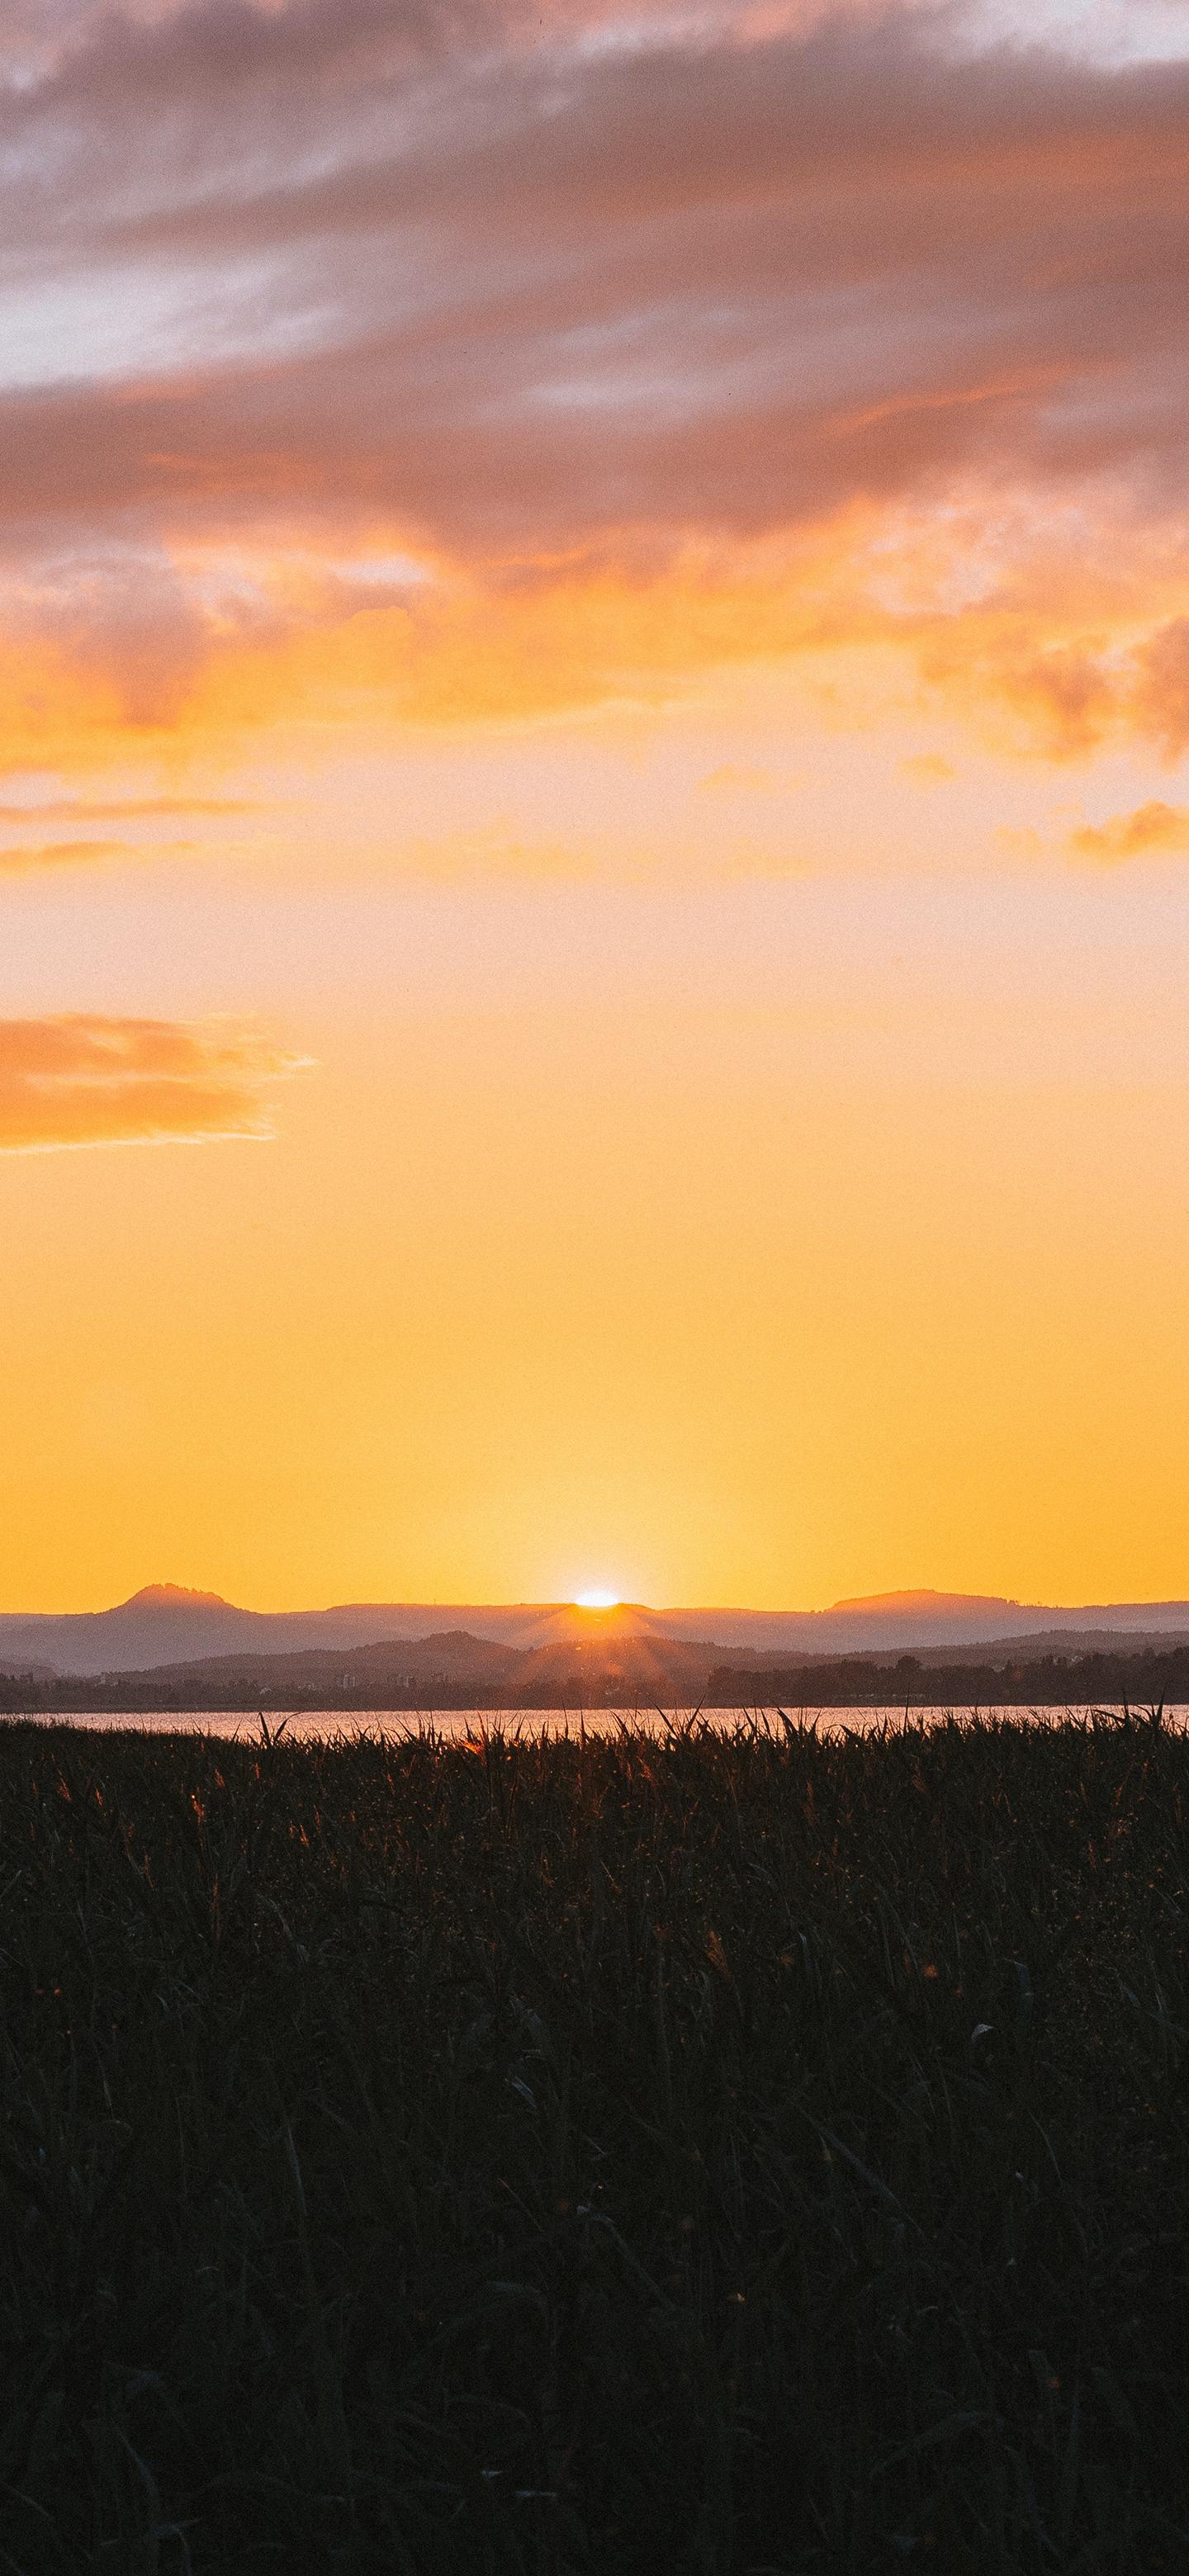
x=166 y=1624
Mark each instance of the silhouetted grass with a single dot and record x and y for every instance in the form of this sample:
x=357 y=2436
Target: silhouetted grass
x=711 y=2153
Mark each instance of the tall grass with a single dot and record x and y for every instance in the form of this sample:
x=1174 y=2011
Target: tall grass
x=725 y=2153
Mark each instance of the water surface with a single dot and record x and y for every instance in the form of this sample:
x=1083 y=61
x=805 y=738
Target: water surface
x=320 y=1726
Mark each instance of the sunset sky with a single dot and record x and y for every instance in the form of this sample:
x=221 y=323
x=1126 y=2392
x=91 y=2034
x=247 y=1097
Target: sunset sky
x=594 y=831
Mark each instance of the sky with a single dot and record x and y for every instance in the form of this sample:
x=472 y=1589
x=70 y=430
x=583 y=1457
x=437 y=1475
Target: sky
x=594 y=799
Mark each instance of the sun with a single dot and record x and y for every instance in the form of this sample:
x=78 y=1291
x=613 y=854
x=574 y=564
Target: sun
x=596 y=1600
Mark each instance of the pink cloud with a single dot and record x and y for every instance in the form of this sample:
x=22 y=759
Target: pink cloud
x=515 y=296
x=455 y=280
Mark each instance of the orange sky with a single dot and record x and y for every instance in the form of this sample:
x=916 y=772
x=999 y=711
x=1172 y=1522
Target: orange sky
x=594 y=712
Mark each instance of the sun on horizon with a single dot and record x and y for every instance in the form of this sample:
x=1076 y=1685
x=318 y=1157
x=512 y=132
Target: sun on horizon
x=596 y=1599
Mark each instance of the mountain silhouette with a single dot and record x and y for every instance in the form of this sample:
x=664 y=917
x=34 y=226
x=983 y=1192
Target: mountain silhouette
x=169 y=1623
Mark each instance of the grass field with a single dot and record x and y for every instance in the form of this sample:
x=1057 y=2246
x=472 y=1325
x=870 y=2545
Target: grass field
x=714 y=2154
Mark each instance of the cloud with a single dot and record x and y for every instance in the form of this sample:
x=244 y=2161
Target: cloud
x=16 y=857
x=123 y=809
x=22 y=857
x=507 y=295
x=1163 y=689
x=80 y=1080
x=57 y=854
x=575 y=328
x=1056 y=651
x=1151 y=828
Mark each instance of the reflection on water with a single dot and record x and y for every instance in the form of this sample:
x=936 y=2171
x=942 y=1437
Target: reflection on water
x=321 y=1726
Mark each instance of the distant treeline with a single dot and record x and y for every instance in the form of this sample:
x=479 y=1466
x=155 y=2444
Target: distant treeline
x=848 y=1681
x=1053 y=1681
x=148 y=1693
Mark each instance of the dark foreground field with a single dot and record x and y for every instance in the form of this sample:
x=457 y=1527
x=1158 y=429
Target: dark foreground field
x=709 y=2155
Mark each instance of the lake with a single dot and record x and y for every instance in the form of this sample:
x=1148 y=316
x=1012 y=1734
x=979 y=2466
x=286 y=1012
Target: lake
x=319 y=1726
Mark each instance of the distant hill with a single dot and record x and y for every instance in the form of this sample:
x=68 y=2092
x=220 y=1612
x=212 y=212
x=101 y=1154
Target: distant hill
x=448 y=1669
x=453 y=1670
x=167 y=1624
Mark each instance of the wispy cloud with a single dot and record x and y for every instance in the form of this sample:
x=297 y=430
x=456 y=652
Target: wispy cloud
x=23 y=857
x=121 y=809
x=83 y=1080
x=27 y=855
